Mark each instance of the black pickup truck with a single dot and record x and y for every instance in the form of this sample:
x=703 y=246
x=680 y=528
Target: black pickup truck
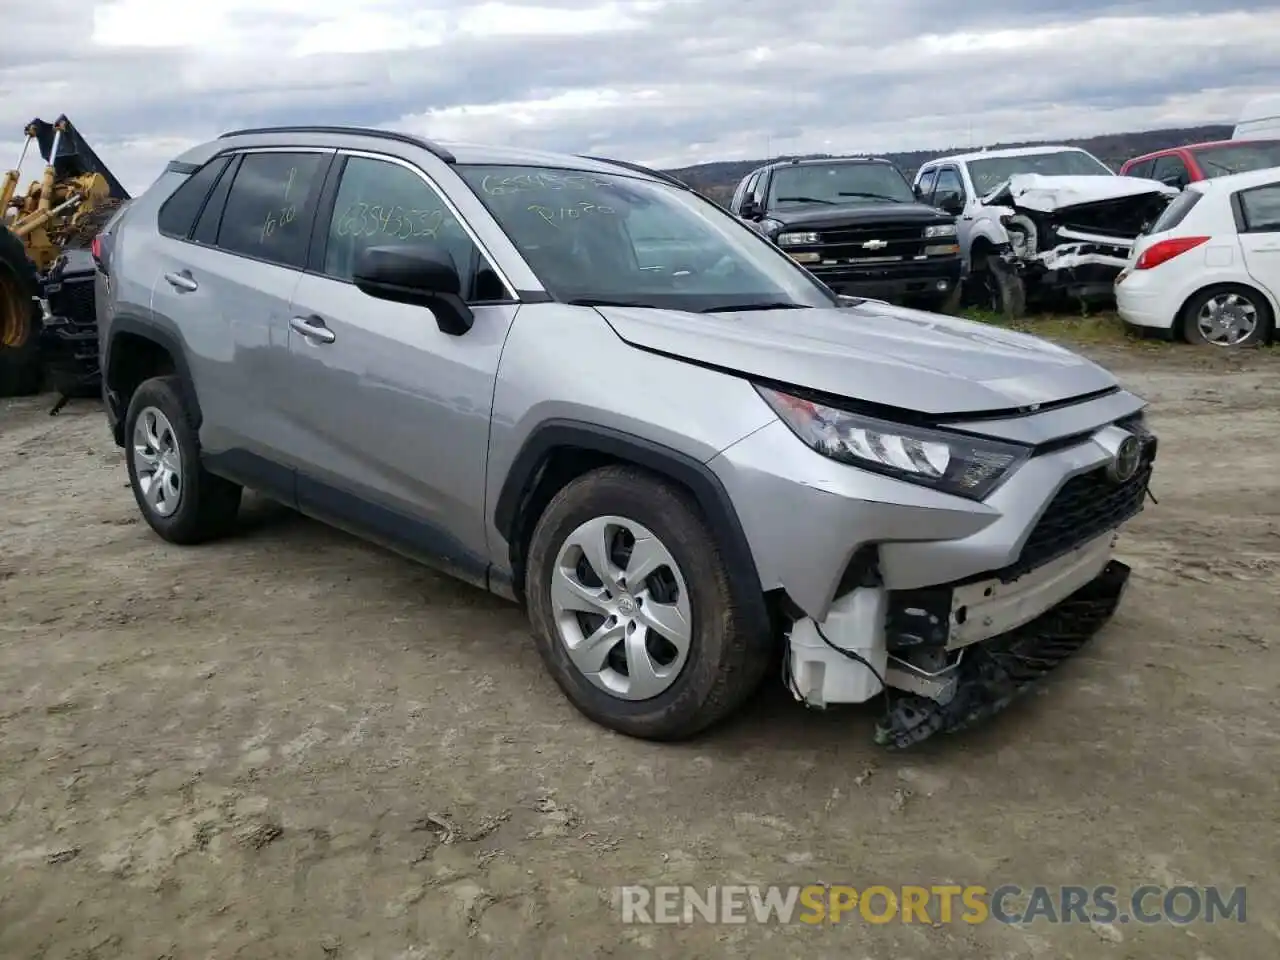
x=856 y=225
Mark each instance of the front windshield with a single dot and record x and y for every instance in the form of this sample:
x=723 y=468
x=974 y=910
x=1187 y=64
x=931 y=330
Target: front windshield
x=1241 y=158
x=837 y=184
x=613 y=239
x=989 y=173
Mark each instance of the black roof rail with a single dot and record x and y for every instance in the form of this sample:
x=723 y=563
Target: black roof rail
x=639 y=168
x=428 y=145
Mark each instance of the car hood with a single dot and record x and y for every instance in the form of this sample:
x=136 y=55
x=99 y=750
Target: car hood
x=1045 y=194
x=873 y=352
x=821 y=215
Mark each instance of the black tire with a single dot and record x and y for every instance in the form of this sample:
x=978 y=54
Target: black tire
x=1261 y=332
x=20 y=373
x=999 y=289
x=948 y=305
x=207 y=505
x=727 y=658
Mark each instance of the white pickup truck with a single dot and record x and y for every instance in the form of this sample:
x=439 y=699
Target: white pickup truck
x=1040 y=223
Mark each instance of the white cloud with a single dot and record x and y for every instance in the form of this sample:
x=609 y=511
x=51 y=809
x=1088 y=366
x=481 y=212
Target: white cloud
x=661 y=81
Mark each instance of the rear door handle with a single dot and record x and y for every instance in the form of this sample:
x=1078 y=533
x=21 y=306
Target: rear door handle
x=313 y=329
x=182 y=281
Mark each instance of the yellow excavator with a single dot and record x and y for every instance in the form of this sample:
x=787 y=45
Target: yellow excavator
x=48 y=324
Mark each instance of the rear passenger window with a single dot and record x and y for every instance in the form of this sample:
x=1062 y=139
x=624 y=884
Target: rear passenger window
x=179 y=212
x=381 y=203
x=268 y=210
x=1261 y=207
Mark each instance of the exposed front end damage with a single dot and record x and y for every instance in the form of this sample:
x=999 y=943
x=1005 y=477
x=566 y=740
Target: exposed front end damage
x=1069 y=237
x=947 y=655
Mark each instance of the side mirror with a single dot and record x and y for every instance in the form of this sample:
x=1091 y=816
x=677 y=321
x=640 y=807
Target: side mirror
x=421 y=275
x=949 y=201
x=749 y=210
x=919 y=193
x=1174 y=180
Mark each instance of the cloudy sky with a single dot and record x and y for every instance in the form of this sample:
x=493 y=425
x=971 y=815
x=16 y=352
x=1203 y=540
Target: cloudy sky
x=666 y=82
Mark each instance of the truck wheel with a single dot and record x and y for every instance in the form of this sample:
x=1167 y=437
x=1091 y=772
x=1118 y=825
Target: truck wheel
x=1002 y=290
x=1227 y=316
x=632 y=611
x=19 y=320
x=949 y=304
x=179 y=499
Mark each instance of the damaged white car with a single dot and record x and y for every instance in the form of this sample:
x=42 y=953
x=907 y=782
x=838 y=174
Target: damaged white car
x=1041 y=224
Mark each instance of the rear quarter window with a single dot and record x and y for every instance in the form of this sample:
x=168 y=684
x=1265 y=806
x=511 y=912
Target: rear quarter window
x=1177 y=210
x=178 y=213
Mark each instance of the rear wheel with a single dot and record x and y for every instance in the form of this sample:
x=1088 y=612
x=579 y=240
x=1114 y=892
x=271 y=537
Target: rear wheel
x=19 y=320
x=179 y=499
x=1228 y=316
x=632 y=609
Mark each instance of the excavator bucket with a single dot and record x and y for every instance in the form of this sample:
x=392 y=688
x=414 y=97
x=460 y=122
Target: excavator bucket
x=75 y=157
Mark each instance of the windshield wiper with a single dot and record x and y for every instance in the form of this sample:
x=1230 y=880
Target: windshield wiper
x=763 y=305
x=873 y=196
x=829 y=203
x=603 y=302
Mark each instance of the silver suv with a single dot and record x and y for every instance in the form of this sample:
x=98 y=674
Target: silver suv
x=578 y=384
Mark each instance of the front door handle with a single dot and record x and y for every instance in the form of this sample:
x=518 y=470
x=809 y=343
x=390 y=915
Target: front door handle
x=182 y=281
x=313 y=329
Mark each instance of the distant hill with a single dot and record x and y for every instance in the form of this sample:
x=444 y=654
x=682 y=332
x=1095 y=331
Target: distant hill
x=718 y=180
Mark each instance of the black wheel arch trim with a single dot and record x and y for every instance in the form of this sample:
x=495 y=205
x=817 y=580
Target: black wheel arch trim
x=697 y=477
x=147 y=330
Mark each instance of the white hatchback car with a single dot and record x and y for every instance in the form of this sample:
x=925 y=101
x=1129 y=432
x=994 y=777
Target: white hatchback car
x=1209 y=269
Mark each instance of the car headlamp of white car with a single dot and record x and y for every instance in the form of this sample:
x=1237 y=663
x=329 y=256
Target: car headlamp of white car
x=971 y=467
x=796 y=239
x=940 y=230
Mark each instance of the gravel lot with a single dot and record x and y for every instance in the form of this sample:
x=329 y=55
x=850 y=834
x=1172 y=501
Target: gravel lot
x=291 y=744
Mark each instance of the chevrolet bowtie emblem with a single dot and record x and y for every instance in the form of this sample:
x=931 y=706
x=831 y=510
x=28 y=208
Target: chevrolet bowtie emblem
x=875 y=245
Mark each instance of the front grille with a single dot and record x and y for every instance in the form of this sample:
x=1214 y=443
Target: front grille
x=902 y=241
x=74 y=299
x=1086 y=507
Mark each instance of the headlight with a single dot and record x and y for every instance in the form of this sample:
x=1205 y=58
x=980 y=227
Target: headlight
x=970 y=467
x=796 y=239
x=940 y=230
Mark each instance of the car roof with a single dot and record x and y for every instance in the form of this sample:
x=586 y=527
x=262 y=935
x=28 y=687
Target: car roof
x=1004 y=152
x=1204 y=145
x=449 y=151
x=1237 y=181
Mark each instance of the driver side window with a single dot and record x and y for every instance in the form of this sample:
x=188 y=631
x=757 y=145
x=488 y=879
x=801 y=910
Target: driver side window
x=949 y=182
x=383 y=203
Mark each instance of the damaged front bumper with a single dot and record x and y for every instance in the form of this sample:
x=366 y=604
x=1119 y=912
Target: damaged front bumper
x=1084 y=267
x=955 y=653
x=987 y=677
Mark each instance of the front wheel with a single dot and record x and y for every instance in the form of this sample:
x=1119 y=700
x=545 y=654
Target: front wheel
x=632 y=610
x=998 y=289
x=1234 y=316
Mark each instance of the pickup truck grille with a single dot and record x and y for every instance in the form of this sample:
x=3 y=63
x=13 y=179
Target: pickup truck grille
x=1086 y=507
x=850 y=243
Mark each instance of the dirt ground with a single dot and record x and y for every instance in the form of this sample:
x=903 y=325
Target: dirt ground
x=291 y=744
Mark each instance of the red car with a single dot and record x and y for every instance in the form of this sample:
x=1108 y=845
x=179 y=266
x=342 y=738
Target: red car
x=1179 y=166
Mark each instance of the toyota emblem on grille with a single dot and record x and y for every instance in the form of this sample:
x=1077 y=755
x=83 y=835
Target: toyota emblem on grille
x=875 y=245
x=1126 y=461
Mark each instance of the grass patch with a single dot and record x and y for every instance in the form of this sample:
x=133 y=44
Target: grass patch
x=1102 y=327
